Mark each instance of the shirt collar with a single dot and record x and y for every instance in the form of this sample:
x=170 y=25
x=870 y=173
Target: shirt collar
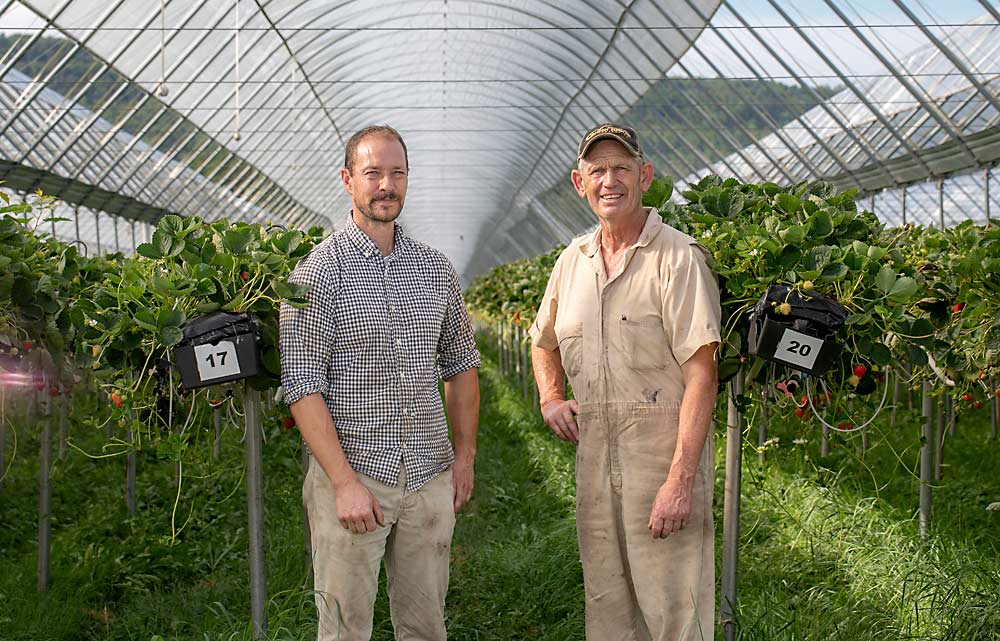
x=650 y=229
x=367 y=246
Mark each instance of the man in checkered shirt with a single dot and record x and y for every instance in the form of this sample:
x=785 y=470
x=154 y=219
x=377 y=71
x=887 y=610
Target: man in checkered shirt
x=360 y=367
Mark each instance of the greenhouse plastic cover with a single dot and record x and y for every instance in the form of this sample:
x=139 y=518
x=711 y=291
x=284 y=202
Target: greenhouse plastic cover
x=491 y=97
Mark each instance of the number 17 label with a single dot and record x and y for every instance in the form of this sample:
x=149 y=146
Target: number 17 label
x=216 y=361
x=798 y=349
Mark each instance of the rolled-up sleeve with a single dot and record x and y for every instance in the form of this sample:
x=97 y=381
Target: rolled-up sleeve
x=692 y=311
x=543 y=329
x=457 y=344
x=306 y=335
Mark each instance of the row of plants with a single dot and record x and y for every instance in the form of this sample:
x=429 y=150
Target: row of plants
x=65 y=316
x=924 y=302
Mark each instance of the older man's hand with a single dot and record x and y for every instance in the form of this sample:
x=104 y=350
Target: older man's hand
x=560 y=416
x=671 y=509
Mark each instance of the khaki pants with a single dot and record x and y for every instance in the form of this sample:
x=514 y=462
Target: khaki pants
x=638 y=588
x=415 y=544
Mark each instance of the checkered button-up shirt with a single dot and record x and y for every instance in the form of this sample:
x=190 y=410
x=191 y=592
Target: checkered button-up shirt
x=375 y=337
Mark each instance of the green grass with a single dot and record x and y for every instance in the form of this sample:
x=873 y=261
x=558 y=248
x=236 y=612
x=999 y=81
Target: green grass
x=829 y=547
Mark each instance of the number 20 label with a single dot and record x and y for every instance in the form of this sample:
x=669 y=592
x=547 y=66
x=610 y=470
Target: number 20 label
x=216 y=361
x=798 y=349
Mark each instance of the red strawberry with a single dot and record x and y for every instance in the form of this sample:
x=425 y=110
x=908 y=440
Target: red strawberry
x=978 y=405
x=800 y=411
x=860 y=370
x=116 y=400
x=967 y=398
x=245 y=276
x=957 y=307
x=53 y=391
x=845 y=426
x=288 y=423
x=28 y=346
x=39 y=385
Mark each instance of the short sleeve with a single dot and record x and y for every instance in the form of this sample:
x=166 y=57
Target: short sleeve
x=692 y=310
x=543 y=329
x=306 y=335
x=457 y=344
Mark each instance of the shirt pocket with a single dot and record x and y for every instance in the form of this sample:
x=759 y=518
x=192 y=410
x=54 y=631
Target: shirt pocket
x=644 y=343
x=571 y=349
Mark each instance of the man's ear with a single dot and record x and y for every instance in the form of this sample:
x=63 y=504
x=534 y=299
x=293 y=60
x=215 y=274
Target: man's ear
x=345 y=177
x=577 y=178
x=646 y=176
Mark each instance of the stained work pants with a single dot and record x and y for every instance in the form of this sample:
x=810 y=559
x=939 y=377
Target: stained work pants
x=638 y=588
x=415 y=544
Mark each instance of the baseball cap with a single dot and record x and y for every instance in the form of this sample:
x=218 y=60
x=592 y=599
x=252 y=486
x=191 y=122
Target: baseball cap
x=624 y=135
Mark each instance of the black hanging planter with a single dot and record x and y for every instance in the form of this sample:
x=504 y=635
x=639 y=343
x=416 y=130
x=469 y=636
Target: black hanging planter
x=218 y=348
x=804 y=338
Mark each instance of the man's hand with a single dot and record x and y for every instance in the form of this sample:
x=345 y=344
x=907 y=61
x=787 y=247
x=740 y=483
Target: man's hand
x=560 y=416
x=357 y=510
x=671 y=509
x=462 y=475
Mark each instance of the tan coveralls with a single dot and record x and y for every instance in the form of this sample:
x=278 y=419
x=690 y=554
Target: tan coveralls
x=622 y=341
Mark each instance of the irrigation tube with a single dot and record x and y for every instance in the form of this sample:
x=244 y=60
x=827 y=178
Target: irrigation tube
x=255 y=512
x=731 y=508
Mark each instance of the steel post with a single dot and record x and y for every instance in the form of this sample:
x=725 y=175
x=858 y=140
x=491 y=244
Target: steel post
x=731 y=508
x=926 y=457
x=44 y=499
x=255 y=512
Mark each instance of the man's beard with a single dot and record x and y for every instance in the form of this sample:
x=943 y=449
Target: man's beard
x=369 y=211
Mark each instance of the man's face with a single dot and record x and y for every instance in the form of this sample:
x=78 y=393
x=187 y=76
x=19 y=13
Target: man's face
x=377 y=184
x=612 y=180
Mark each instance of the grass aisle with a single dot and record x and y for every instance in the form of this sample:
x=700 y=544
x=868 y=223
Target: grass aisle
x=829 y=547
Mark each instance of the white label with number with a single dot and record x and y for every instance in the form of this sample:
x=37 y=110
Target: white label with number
x=216 y=361
x=798 y=349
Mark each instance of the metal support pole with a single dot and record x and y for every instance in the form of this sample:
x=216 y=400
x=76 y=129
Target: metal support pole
x=824 y=442
x=950 y=416
x=731 y=508
x=897 y=395
x=903 y=197
x=500 y=345
x=986 y=194
x=255 y=512
x=926 y=457
x=3 y=435
x=44 y=500
x=516 y=349
x=939 y=438
x=762 y=427
x=940 y=186
x=63 y=428
x=306 y=531
x=217 y=441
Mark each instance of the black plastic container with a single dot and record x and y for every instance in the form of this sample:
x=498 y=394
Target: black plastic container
x=804 y=339
x=218 y=348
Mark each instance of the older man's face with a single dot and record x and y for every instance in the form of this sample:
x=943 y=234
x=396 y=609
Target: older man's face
x=612 y=180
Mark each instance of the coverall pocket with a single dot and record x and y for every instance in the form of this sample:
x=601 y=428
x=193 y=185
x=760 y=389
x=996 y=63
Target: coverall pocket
x=645 y=344
x=571 y=350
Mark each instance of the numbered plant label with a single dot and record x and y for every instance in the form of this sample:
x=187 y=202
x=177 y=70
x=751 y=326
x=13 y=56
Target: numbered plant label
x=216 y=361
x=798 y=349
